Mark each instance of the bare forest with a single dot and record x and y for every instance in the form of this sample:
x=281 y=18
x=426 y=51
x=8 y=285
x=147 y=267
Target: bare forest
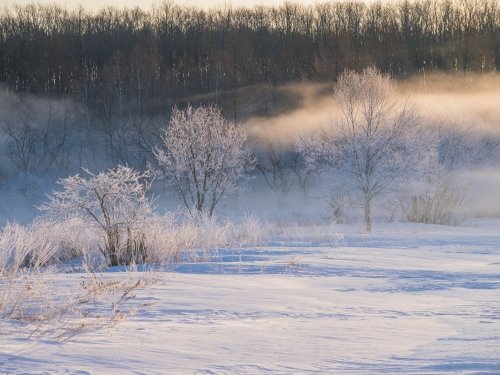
x=123 y=62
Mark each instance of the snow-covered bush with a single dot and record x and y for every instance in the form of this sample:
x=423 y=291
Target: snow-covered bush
x=436 y=188
x=249 y=231
x=111 y=203
x=204 y=155
x=437 y=204
x=165 y=239
x=71 y=238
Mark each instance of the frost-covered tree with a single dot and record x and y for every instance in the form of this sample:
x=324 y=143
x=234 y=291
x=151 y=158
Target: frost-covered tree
x=113 y=203
x=204 y=156
x=367 y=146
x=371 y=142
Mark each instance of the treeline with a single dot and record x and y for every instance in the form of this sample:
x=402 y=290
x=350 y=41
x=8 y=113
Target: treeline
x=128 y=61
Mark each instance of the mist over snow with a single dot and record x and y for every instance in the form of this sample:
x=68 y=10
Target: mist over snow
x=215 y=189
x=46 y=138
x=464 y=104
x=467 y=101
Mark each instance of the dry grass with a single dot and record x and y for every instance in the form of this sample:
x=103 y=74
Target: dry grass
x=59 y=307
x=47 y=303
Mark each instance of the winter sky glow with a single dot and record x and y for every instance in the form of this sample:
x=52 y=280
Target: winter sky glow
x=145 y=4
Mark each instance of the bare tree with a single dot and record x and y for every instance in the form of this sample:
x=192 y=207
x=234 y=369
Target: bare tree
x=34 y=145
x=371 y=146
x=368 y=148
x=204 y=155
x=275 y=163
x=113 y=203
x=282 y=166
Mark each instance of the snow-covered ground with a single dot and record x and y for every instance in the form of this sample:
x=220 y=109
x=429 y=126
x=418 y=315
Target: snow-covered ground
x=414 y=299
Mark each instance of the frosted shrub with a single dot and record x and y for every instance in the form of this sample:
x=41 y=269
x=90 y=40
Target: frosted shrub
x=71 y=238
x=435 y=190
x=24 y=247
x=212 y=234
x=250 y=231
x=112 y=203
x=194 y=236
x=164 y=239
x=171 y=238
x=437 y=204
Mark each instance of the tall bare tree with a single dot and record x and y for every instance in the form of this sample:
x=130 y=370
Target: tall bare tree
x=371 y=140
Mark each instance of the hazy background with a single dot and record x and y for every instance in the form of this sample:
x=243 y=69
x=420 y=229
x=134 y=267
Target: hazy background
x=470 y=102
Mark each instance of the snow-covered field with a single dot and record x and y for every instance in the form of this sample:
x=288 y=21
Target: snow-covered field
x=415 y=299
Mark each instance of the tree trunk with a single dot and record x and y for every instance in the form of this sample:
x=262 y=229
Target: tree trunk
x=368 y=215
x=112 y=247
